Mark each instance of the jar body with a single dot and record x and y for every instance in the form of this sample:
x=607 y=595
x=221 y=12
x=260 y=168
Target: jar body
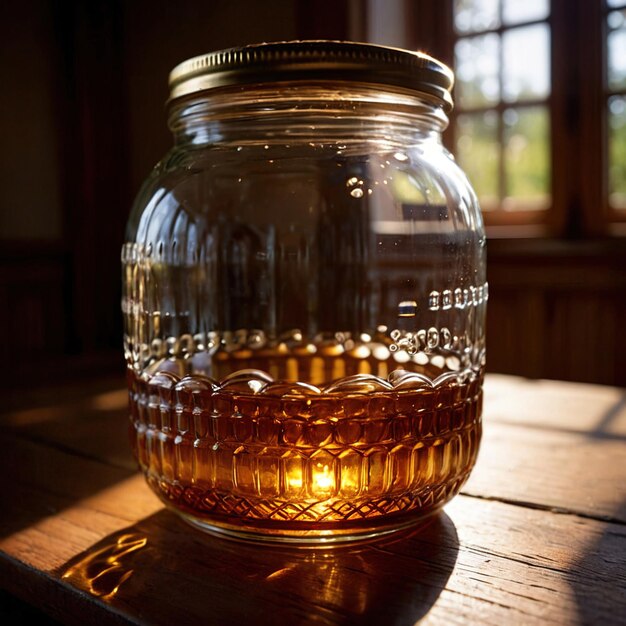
x=304 y=302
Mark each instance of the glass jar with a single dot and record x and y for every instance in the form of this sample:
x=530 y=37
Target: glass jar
x=304 y=296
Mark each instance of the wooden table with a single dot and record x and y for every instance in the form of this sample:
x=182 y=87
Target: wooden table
x=538 y=535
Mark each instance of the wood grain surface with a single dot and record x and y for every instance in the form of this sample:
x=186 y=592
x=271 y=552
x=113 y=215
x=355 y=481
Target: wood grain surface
x=538 y=535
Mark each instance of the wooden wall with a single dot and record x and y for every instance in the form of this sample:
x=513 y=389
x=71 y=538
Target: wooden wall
x=557 y=309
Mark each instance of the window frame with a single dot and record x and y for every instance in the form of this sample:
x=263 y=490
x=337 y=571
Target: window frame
x=616 y=217
x=499 y=216
x=577 y=108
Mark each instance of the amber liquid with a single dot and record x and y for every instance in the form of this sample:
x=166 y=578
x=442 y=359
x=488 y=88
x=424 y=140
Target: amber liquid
x=253 y=455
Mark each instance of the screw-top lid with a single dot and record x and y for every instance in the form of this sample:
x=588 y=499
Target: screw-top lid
x=314 y=60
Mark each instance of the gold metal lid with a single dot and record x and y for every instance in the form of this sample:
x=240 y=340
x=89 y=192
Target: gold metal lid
x=314 y=60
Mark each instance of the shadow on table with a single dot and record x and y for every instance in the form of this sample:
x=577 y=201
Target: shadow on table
x=161 y=571
x=61 y=449
x=603 y=601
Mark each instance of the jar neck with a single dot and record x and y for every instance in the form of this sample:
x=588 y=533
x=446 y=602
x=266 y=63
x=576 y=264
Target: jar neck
x=305 y=113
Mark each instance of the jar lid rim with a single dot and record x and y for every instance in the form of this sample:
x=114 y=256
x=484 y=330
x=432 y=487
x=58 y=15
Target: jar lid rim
x=315 y=60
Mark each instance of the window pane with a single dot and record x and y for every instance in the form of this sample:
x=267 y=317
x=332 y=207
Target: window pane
x=616 y=45
x=616 y=19
x=477 y=152
x=617 y=152
x=526 y=63
x=526 y=158
x=475 y=15
x=516 y=11
x=477 y=71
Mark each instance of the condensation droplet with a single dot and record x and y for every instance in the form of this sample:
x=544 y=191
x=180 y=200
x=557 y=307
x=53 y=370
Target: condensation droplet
x=357 y=193
x=351 y=182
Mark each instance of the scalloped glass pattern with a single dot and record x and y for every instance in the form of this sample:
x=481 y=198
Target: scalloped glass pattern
x=296 y=460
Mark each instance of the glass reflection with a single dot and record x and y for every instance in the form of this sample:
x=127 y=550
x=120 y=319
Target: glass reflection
x=184 y=577
x=103 y=571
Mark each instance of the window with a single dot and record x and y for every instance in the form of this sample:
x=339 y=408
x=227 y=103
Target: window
x=502 y=121
x=615 y=93
x=540 y=118
x=539 y=123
